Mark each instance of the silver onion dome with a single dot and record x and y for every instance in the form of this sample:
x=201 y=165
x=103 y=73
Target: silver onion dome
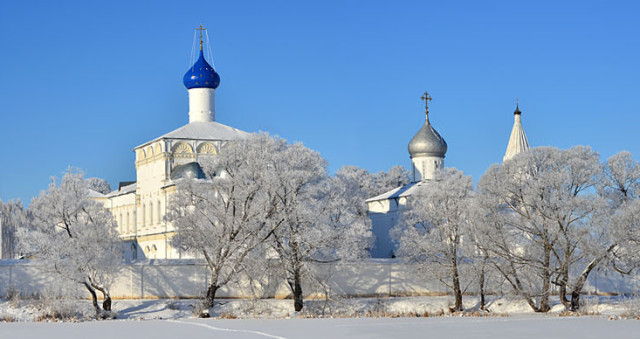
x=427 y=142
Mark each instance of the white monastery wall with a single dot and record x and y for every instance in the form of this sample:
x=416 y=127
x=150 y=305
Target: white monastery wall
x=189 y=278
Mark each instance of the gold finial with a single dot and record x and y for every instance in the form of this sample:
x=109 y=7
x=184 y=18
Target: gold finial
x=426 y=98
x=201 y=29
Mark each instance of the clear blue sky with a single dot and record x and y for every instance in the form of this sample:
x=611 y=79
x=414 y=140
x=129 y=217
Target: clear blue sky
x=82 y=83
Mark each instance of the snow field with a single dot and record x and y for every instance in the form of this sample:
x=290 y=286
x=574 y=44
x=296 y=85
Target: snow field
x=523 y=327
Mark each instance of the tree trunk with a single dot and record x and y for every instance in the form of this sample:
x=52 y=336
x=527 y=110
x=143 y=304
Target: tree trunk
x=211 y=296
x=106 y=304
x=564 y=279
x=482 y=282
x=457 y=291
x=296 y=288
x=297 y=297
x=546 y=282
x=582 y=279
x=94 y=298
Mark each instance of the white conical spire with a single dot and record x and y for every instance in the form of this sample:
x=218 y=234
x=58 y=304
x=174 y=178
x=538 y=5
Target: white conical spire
x=518 y=142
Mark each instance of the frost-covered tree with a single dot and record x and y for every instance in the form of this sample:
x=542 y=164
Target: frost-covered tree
x=542 y=222
x=227 y=216
x=316 y=219
x=615 y=241
x=299 y=234
x=266 y=200
x=75 y=237
x=432 y=229
x=621 y=179
x=385 y=181
x=614 y=238
x=347 y=191
x=357 y=185
x=625 y=230
x=12 y=217
x=367 y=185
x=99 y=185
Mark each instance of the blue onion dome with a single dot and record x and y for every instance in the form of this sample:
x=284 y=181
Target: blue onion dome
x=201 y=75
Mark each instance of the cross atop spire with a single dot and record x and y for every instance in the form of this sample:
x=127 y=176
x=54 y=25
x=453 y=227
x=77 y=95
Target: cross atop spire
x=426 y=98
x=201 y=29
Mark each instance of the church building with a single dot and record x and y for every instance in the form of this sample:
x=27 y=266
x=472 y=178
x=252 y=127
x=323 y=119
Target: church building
x=139 y=207
x=427 y=150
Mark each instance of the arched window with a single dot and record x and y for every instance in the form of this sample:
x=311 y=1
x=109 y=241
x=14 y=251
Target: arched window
x=159 y=213
x=151 y=213
x=128 y=223
x=134 y=251
x=154 y=252
x=144 y=214
x=120 y=223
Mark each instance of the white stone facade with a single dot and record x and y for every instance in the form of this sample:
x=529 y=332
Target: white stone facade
x=140 y=208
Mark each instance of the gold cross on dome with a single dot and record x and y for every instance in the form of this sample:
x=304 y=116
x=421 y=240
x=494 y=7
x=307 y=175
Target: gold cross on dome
x=426 y=98
x=201 y=29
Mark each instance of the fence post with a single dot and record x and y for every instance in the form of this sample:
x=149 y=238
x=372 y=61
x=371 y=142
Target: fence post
x=390 y=274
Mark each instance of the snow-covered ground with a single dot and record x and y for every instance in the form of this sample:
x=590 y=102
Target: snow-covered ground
x=523 y=327
x=274 y=319
x=141 y=309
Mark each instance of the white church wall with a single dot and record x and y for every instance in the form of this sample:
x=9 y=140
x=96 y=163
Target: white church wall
x=384 y=215
x=123 y=208
x=381 y=224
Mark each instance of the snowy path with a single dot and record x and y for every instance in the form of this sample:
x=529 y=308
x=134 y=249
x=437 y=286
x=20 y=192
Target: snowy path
x=523 y=327
x=227 y=329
